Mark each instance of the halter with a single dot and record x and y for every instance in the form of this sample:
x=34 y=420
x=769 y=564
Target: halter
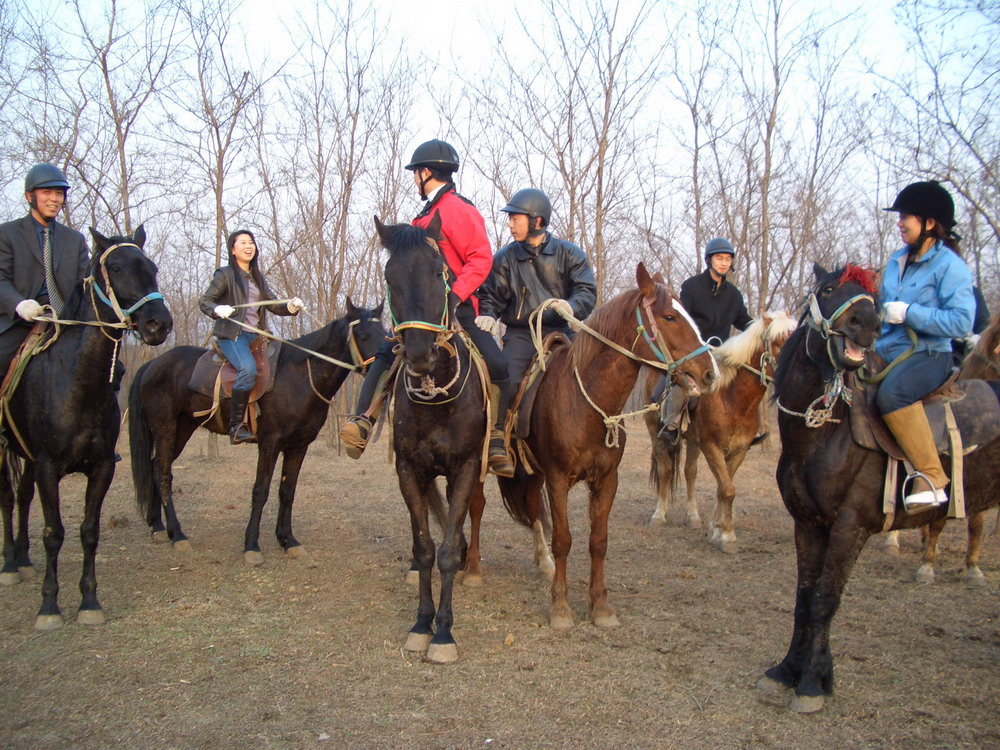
x=124 y=316
x=360 y=364
x=422 y=325
x=657 y=344
x=825 y=325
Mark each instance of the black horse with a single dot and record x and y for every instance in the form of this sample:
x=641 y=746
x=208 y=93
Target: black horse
x=162 y=418
x=831 y=486
x=439 y=423
x=63 y=417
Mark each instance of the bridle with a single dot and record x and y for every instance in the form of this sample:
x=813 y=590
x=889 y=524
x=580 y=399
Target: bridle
x=656 y=342
x=109 y=298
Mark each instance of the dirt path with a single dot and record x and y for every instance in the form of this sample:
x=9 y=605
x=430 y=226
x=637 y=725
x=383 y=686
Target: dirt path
x=202 y=651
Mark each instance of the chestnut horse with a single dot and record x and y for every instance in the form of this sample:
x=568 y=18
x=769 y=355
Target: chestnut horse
x=831 y=486
x=575 y=431
x=723 y=425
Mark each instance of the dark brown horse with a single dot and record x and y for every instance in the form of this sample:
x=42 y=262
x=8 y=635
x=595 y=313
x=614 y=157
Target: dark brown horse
x=723 y=425
x=439 y=420
x=575 y=431
x=63 y=417
x=163 y=409
x=831 y=486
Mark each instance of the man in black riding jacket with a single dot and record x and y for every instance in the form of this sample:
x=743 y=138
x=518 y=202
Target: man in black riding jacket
x=717 y=307
x=535 y=267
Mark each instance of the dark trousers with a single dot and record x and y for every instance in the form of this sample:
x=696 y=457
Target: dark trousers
x=519 y=349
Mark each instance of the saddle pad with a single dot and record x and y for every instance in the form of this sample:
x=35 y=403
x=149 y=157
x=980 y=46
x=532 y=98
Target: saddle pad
x=206 y=370
x=519 y=416
x=975 y=406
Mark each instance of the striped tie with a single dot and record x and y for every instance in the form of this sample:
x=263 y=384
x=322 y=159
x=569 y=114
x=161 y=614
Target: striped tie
x=55 y=299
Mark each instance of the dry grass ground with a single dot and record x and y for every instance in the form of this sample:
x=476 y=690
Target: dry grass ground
x=202 y=651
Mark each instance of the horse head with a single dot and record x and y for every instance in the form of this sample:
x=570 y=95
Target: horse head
x=366 y=333
x=417 y=280
x=671 y=336
x=843 y=308
x=124 y=279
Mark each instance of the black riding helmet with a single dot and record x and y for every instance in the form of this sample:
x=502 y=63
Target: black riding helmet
x=531 y=202
x=44 y=175
x=436 y=155
x=718 y=245
x=928 y=200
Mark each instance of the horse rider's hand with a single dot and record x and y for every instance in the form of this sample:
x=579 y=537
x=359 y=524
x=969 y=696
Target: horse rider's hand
x=29 y=309
x=564 y=308
x=295 y=305
x=895 y=312
x=224 y=311
x=488 y=324
x=972 y=340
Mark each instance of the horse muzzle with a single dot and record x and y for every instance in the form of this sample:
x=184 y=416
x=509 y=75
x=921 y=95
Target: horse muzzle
x=154 y=329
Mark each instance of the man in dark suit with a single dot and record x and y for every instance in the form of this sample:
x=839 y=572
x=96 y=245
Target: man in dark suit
x=23 y=285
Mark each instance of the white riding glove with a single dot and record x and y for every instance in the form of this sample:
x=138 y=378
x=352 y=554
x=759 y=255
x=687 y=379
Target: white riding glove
x=295 y=305
x=563 y=307
x=972 y=340
x=895 y=312
x=29 y=309
x=224 y=311
x=488 y=324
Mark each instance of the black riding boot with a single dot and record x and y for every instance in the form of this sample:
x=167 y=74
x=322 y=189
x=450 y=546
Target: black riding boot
x=238 y=431
x=670 y=415
x=499 y=461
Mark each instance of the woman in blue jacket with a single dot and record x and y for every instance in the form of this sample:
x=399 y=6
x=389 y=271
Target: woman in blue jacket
x=926 y=288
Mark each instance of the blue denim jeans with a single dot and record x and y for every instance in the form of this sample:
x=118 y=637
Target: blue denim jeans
x=237 y=352
x=912 y=379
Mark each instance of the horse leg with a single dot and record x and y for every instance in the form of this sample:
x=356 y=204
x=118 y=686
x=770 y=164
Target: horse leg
x=49 y=616
x=267 y=457
x=473 y=576
x=98 y=482
x=661 y=474
x=891 y=542
x=721 y=534
x=25 y=494
x=422 y=554
x=602 y=497
x=931 y=533
x=442 y=648
x=973 y=576
x=691 y=453
x=291 y=465
x=169 y=445
x=9 y=574
x=541 y=526
x=560 y=616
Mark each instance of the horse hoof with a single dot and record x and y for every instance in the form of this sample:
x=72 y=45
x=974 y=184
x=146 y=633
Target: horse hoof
x=48 y=622
x=183 y=546
x=693 y=522
x=547 y=568
x=9 y=579
x=90 y=617
x=297 y=552
x=442 y=653
x=607 y=622
x=413 y=577
x=727 y=546
x=472 y=580
x=253 y=557
x=417 y=642
x=159 y=537
x=925 y=574
x=807 y=704
x=28 y=571
x=974 y=578
x=769 y=685
x=561 y=622
x=657 y=521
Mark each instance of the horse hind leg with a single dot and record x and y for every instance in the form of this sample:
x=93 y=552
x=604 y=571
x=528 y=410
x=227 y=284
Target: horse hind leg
x=973 y=576
x=9 y=574
x=472 y=573
x=691 y=453
x=930 y=533
x=541 y=529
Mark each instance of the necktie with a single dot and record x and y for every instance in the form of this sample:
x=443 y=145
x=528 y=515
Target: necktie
x=50 y=279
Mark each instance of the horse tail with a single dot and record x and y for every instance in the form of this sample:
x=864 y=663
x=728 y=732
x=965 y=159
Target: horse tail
x=675 y=464
x=514 y=491
x=140 y=438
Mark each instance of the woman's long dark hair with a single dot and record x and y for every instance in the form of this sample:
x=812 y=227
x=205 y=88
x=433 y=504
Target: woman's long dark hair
x=258 y=277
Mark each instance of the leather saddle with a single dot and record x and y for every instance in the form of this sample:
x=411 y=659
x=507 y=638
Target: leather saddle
x=973 y=403
x=519 y=415
x=212 y=373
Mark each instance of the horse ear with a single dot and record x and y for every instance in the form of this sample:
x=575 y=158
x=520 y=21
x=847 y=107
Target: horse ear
x=383 y=232
x=378 y=310
x=819 y=271
x=658 y=278
x=644 y=281
x=100 y=241
x=434 y=228
x=352 y=311
x=139 y=236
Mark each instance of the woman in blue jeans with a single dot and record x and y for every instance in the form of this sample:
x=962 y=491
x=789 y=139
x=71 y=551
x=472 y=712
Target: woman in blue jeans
x=233 y=297
x=927 y=296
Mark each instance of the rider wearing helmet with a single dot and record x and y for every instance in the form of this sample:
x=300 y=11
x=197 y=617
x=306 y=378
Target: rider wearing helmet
x=535 y=267
x=717 y=307
x=927 y=291
x=24 y=284
x=466 y=249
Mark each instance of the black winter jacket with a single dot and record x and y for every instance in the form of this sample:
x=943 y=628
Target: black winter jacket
x=229 y=287
x=524 y=277
x=714 y=307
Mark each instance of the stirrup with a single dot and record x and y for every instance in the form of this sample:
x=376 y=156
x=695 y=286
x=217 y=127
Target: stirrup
x=924 y=500
x=355 y=434
x=669 y=434
x=497 y=458
x=241 y=435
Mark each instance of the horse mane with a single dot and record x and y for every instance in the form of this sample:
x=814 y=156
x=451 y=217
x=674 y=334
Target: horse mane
x=740 y=349
x=863 y=277
x=314 y=340
x=613 y=315
x=406 y=237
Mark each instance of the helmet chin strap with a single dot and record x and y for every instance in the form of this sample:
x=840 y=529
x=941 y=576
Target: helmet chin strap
x=423 y=185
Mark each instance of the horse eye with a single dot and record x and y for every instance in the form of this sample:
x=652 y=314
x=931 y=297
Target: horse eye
x=670 y=318
x=114 y=268
x=828 y=290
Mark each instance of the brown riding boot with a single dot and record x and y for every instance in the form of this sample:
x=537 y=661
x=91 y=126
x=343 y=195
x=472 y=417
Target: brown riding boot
x=358 y=428
x=912 y=431
x=355 y=434
x=497 y=455
x=238 y=430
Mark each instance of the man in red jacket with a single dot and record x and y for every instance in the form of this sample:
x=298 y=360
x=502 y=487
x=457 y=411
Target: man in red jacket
x=466 y=249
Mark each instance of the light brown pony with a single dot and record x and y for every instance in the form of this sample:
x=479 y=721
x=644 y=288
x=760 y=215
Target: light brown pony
x=723 y=425
x=982 y=363
x=574 y=433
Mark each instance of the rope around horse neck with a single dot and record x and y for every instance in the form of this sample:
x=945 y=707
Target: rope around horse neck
x=310 y=352
x=612 y=424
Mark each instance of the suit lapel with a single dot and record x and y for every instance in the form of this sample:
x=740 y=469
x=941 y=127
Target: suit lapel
x=30 y=238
